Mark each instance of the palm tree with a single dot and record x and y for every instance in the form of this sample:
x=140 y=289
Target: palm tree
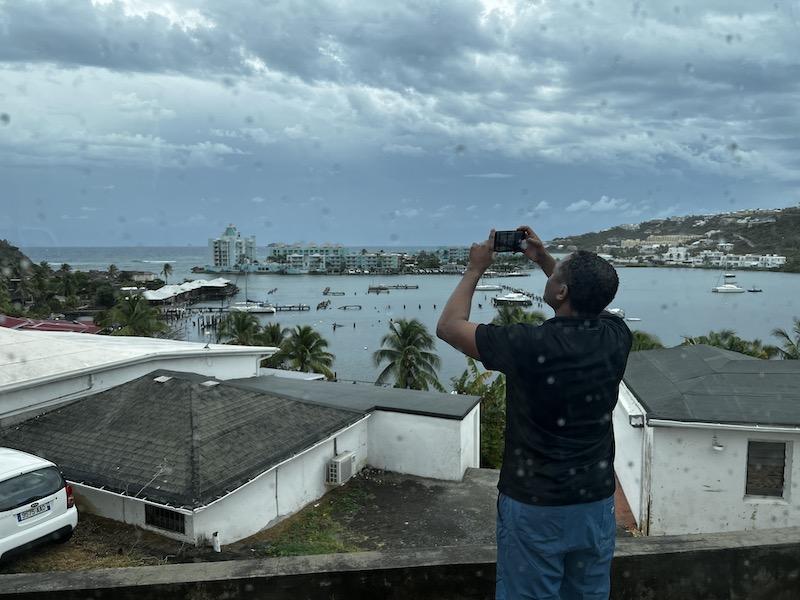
x=791 y=347
x=166 y=271
x=272 y=334
x=239 y=328
x=728 y=340
x=306 y=350
x=645 y=341
x=113 y=271
x=134 y=316
x=407 y=349
x=509 y=315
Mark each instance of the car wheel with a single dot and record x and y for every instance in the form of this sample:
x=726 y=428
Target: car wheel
x=64 y=537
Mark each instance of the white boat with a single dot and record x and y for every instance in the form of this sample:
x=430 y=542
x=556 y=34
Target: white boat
x=252 y=307
x=513 y=299
x=488 y=287
x=617 y=312
x=729 y=287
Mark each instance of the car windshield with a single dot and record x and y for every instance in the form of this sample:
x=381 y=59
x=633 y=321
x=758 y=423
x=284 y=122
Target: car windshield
x=25 y=488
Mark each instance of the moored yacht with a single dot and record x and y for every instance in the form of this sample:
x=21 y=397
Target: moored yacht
x=252 y=307
x=729 y=287
x=513 y=299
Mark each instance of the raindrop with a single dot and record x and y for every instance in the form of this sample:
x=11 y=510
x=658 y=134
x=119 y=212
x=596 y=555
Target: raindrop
x=561 y=422
x=5 y=119
x=550 y=380
x=540 y=359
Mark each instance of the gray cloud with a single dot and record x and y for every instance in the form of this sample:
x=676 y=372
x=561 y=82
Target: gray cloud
x=429 y=98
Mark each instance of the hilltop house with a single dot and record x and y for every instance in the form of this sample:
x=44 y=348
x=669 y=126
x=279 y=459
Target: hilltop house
x=708 y=441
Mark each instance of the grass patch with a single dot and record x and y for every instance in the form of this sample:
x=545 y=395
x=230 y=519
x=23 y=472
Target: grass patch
x=317 y=529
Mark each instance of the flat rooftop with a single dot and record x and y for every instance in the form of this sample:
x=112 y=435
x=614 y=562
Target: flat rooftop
x=363 y=398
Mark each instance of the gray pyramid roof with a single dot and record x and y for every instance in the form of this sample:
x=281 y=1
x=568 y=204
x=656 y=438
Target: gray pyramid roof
x=706 y=384
x=178 y=442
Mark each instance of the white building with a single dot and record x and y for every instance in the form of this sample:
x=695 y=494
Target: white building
x=231 y=249
x=190 y=455
x=709 y=440
x=40 y=370
x=311 y=256
x=676 y=255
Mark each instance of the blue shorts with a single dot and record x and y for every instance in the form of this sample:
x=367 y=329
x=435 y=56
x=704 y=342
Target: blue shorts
x=554 y=552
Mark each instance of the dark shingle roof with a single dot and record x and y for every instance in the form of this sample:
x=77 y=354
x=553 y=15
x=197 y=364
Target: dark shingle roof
x=180 y=442
x=364 y=398
x=707 y=384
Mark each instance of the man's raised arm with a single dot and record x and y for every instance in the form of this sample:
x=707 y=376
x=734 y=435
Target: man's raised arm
x=536 y=251
x=454 y=326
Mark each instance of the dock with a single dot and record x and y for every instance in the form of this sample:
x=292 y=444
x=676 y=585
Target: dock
x=291 y=307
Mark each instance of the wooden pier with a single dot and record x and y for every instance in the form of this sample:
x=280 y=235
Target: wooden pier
x=291 y=307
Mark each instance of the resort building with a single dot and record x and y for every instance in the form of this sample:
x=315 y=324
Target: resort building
x=231 y=249
x=708 y=440
x=311 y=256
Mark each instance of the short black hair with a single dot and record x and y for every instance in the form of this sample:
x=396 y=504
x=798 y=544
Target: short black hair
x=592 y=282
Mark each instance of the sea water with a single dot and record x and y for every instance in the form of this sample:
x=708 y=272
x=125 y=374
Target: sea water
x=670 y=302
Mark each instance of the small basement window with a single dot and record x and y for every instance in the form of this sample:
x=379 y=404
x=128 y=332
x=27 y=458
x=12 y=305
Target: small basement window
x=766 y=464
x=163 y=518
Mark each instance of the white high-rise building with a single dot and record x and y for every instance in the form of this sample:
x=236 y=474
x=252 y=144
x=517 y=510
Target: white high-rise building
x=231 y=249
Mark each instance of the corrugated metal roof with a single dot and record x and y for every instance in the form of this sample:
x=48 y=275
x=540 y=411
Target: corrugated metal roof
x=177 y=442
x=47 y=324
x=706 y=384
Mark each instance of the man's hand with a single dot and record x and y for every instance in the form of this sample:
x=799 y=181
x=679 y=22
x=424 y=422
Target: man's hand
x=536 y=251
x=481 y=254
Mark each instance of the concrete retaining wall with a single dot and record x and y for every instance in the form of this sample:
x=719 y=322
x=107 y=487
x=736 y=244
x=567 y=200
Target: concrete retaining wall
x=762 y=565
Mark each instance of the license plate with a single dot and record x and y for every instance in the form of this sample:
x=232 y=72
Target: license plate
x=27 y=514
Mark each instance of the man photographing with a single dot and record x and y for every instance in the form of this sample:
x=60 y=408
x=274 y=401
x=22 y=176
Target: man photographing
x=555 y=508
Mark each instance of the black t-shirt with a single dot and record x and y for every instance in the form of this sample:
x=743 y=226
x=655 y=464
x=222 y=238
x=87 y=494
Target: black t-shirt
x=562 y=381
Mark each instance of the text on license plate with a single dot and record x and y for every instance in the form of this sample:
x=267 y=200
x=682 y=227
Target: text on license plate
x=27 y=514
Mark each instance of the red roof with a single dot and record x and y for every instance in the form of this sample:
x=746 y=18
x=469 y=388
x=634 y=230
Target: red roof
x=47 y=325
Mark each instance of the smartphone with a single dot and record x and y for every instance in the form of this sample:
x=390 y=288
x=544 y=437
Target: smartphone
x=508 y=241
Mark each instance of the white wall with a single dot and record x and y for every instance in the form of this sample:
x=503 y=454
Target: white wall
x=471 y=439
x=122 y=509
x=280 y=492
x=628 y=460
x=16 y=405
x=416 y=445
x=696 y=489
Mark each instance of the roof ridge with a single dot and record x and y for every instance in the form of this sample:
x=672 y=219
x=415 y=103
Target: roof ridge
x=195 y=445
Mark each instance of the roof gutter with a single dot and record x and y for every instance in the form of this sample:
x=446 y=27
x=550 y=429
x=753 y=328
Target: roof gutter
x=185 y=511
x=265 y=351
x=722 y=426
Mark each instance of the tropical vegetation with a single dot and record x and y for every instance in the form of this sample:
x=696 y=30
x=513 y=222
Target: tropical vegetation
x=304 y=349
x=790 y=348
x=408 y=353
x=508 y=315
x=728 y=340
x=133 y=315
x=478 y=382
x=645 y=341
x=239 y=328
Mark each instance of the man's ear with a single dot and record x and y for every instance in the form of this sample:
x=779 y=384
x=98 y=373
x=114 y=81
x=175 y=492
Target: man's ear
x=563 y=292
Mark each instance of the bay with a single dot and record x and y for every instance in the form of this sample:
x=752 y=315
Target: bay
x=670 y=302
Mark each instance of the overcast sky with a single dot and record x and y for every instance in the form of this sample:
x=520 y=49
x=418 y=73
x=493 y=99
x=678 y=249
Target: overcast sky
x=137 y=122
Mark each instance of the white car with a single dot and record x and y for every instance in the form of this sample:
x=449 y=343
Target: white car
x=36 y=504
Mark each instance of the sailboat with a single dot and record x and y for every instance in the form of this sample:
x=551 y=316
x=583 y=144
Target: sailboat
x=251 y=306
x=730 y=286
